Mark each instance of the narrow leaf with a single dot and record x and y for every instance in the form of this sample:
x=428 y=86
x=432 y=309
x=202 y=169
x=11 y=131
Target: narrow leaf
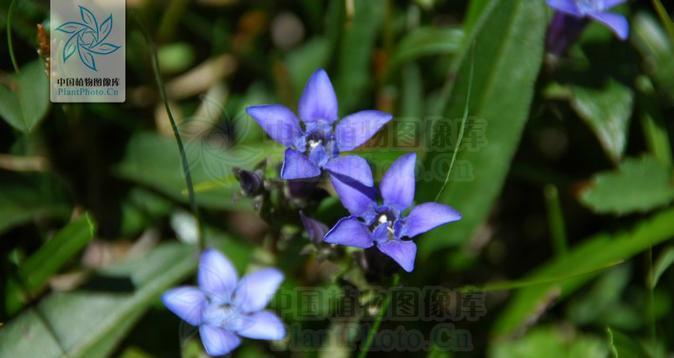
x=594 y=252
x=624 y=346
x=664 y=261
x=38 y=268
x=497 y=115
x=91 y=323
x=354 y=74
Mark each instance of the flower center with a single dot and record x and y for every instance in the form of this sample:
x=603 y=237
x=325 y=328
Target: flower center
x=222 y=315
x=388 y=217
x=313 y=143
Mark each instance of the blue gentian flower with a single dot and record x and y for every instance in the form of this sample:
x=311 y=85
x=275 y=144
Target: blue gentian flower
x=596 y=10
x=384 y=224
x=225 y=308
x=314 y=145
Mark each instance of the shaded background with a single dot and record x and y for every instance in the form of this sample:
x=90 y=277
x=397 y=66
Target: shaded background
x=563 y=176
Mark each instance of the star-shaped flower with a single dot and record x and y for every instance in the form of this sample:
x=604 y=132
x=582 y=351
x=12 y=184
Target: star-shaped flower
x=385 y=224
x=596 y=10
x=314 y=143
x=225 y=308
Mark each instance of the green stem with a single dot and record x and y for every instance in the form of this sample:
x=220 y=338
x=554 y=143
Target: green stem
x=665 y=19
x=176 y=134
x=555 y=219
x=10 y=47
x=649 y=294
x=380 y=316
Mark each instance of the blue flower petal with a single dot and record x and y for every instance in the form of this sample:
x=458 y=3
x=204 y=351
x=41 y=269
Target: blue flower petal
x=216 y=274
x=319 y=155
x=186 y=302
x=617 y=23
x=297 y=166
x=398 y=184
x=318 y=100
x=566 y=6
x=350 y=232
x=262 y=325
x=356 y=129
x=427 y=216
x=218 y=341
x=279 y=122
x=611 y=3
x=402 y=252
x=351 y=166
x=256 y=289
x=355 y=197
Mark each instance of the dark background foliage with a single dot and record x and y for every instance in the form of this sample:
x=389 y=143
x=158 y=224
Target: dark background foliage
x=564 y=178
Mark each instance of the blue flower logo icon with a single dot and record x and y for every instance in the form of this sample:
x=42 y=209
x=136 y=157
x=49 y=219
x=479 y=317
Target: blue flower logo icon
x=87 y=38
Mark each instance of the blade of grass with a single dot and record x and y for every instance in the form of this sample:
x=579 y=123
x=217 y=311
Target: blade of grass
x=10 y=46
x=462 y=130
x=36 y=271
x=176 y=133
x=555 y=219
x=380 y=316
x=517 y=284
x=591 y=253
x=664 y=18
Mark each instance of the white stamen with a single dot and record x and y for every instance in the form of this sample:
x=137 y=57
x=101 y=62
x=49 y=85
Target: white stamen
x=382 y=219
x=314 y=143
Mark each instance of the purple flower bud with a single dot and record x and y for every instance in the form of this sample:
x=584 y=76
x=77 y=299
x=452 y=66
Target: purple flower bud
x=597 y=10
x=315 y=229
x=564 y=30
x=251 y=183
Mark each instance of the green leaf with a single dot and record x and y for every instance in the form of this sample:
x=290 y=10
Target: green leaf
x=550 y=342
x=623 y=346
x=154 y=161
x=26 y=105
x=653 y=124
x=29 y=197
x=653 y=44
x=664 y=261
x=48 y=260
x=476 y=10
x=497 y=115
x=425 y=41
x=596 y=252
x=354 y=74
x=89 y=323
x=607 y=111
x=639 y=185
